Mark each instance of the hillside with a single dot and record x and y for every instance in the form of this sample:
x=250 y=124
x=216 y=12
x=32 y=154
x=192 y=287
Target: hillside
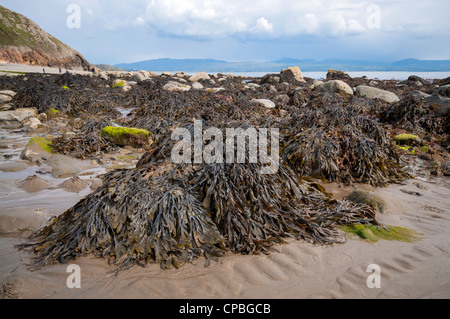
x=23 y=41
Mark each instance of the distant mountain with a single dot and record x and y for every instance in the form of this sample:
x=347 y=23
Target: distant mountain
x=309 y=65
x=107 y=67
x=23 y=41
x=175 y=65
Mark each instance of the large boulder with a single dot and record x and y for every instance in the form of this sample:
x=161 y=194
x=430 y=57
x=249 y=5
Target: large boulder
x=336 y=86
x=291 y=75
x=374 y=93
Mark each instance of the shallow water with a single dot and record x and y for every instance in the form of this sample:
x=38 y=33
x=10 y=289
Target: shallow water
x=22 y=210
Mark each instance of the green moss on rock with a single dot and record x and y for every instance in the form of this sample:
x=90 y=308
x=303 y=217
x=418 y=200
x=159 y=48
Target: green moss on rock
x=407 y=139
x=126 y=136
x=43 y=143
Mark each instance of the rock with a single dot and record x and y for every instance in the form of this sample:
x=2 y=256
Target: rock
x=199 y=76
x=336 y=86
x=270 y=79
x=103 y=76
x=63 y=166
x=215 y=90
x=34 y=184
x=6 y=96
x=13 y=166
x=69 y=135
x=119 y=83
x=166 y=74
x=140 y=76
x=37 y=149
x=420 y=94
x=337 y=75
x=197 y=86
x=374 y=93
x=292 y=75
x=42 y=117
x=5 y=107
x=32 y=123
x=264 y=102
x=174 y=86
x=253 y=86
x=14 y=119
x=408 y=139
x=124 y=136
x=444 y=90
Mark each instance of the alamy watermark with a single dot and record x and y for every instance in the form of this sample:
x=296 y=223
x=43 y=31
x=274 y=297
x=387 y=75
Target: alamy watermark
x=74 y=19
x=74 y=279
x=207 y=146
x=374 y=280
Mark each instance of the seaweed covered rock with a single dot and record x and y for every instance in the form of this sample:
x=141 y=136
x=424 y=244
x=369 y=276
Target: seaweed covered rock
x=342 y=146
x=172 y=213
x=126 y=136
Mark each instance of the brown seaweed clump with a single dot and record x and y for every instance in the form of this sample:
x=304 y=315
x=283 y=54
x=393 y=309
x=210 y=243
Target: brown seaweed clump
x=334 y=144
x=173 y=213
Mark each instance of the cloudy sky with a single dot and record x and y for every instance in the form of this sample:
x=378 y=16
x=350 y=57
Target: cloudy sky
x=127 y=31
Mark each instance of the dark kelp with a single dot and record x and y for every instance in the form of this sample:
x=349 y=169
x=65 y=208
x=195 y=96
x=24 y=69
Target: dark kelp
x=169 y=214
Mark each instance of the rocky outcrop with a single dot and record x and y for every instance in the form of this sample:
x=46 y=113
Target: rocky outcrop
x=23 y=42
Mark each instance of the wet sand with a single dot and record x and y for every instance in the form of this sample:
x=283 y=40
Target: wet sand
x=420 y=269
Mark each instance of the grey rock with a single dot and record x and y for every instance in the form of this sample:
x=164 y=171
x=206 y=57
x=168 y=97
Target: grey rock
x=444 y=90
x=291 y=75
x=336 y=86
x=199 y=76
x=264 y=102
x=197 y=86
x=373 y=93
x=174 y=86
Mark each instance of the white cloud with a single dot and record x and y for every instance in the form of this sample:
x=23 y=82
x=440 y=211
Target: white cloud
x=263 y=26
x=213 y=19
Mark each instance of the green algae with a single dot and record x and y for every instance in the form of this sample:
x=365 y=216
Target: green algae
x=373 y=233
x=42 y=143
